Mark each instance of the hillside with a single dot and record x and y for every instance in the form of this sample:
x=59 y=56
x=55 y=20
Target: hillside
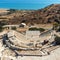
x=49 y=14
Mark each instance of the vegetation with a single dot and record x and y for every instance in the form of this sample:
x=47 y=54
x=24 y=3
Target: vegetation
x=3 y=22
x=58 y=30
x=13 y=28
x=1 y=28
x=57 y=40
x=56 y=26
x=41 y=29
x=49 y=14
x=11 y=11
x=37 y=29
x=46 y=8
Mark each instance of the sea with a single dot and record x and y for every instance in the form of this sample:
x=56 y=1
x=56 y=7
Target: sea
x=23 y=6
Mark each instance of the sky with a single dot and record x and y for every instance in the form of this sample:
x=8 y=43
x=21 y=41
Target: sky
x=27 y=4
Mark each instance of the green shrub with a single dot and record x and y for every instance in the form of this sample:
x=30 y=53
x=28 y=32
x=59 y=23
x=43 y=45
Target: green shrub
x=33 y=29
x=13 y=28
x=1 y=28
x=55 y=25
x=3 y=22
x=58 y=30
x=41 y=29
x=57 y=40
x=37 y=29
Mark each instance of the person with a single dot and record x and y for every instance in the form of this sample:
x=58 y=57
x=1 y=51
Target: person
x=48 y=53
x=45 y=42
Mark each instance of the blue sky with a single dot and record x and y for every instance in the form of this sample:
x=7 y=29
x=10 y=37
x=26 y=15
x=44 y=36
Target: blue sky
x=27 y=4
